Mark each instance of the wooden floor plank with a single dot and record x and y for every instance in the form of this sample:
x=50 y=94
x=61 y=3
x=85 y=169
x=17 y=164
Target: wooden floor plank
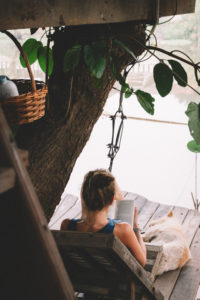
x=180 y=213
x=146 y=213
x=66 y=203
x=189 y=278
x=140 y=202
x=75 y=210
x=162 y=210
x=78 y=213
x=64 y=208
x=191 y=222
x=129 y=195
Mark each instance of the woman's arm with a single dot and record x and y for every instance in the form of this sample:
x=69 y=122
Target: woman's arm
x=64 y=224
x=137 y=231
x=132 y=240
x=127 y=236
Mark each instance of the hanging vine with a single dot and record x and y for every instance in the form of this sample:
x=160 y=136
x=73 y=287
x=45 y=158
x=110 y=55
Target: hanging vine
x=97 y=55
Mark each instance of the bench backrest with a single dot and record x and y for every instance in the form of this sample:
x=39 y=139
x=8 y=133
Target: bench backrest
x=101 y=260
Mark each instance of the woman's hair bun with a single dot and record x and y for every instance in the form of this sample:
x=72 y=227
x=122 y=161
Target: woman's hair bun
x=98 y=189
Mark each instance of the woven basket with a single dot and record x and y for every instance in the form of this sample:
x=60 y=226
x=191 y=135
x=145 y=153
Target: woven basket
x=29 y=106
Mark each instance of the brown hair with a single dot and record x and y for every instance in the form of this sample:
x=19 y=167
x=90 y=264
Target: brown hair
x=98 y=189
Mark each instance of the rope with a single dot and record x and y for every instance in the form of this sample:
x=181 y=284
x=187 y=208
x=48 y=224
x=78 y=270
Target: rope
x=114 y=146
x=148 y=120
x=115 y=143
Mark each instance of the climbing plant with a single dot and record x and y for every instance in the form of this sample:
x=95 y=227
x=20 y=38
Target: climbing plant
x=100 y=54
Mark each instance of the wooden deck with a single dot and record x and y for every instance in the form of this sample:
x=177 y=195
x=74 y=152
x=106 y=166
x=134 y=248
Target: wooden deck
x=178 y=284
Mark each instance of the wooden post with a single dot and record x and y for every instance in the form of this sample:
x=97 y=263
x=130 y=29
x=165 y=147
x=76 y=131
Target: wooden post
x=31 y=265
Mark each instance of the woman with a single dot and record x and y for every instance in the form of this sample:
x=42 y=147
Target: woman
x=99 y=190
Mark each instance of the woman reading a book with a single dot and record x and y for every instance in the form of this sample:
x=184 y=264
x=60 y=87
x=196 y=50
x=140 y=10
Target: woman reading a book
x=99 y=190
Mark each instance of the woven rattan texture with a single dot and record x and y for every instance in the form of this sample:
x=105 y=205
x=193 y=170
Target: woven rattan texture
x=28 y=106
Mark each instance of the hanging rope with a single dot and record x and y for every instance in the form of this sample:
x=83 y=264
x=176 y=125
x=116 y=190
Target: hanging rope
x=115 y=143
x=150 y=120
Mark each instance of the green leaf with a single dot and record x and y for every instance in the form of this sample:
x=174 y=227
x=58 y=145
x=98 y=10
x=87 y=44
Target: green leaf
x=178 y=72
x=119 y=43
x=33 y=30
x=163 y=78
x=42 y=59
x=94 y=56
x=193 y=147
x=128 y=92
x=71 y=58
x=146 y=101
x=30 y=47
x=125 y=86
x=193 y=113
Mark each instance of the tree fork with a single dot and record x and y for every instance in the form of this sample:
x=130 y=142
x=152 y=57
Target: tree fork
x=55 y=141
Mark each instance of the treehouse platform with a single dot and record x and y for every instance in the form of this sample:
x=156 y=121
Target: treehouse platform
x=32 y=264
x=178 y=284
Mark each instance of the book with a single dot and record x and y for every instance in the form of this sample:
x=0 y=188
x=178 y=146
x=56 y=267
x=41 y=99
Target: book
x=122 y=210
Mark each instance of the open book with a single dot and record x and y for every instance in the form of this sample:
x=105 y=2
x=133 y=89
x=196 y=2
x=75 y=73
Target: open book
x=123 y=210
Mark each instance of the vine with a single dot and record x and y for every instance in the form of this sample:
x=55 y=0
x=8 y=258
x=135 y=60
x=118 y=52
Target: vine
x=98 y=55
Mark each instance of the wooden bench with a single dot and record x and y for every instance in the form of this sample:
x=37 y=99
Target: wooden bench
x=99 y=264
x=178 y=284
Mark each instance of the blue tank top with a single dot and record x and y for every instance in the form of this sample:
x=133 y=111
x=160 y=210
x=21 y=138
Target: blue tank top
x=108 y=228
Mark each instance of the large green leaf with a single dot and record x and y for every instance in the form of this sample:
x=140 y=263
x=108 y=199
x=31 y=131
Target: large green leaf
x=71 y=58
x=146 y=101
x=193 y=147
x=122 y=45
x=30 y=47
x=193 y=113
x=42 y=59
x=163 y=78
x=94 y=56
x=178 y=72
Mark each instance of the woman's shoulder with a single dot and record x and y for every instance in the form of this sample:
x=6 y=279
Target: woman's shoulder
x=65 y=224
x=124 y=228
x=69 y=224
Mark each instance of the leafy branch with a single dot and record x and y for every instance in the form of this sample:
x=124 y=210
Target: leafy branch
x=35 y=51
x=97 y=55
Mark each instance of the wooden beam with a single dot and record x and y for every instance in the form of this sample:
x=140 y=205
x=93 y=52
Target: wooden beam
x=36 y=243
x=36 y=13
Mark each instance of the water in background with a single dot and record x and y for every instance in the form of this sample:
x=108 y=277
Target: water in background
x=153 y=160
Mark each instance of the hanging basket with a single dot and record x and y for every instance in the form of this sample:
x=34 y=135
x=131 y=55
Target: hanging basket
x=30 y=105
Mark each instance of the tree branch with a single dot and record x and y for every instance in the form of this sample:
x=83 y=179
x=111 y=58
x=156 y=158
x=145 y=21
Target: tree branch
x=189 y=62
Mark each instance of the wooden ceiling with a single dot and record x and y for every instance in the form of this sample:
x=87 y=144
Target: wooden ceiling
x=44 y=13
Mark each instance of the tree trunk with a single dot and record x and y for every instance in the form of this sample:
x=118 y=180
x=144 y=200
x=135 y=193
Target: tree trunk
x=75 y=104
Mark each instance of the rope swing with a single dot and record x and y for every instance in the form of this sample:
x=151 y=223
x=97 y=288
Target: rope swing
x=115 y=143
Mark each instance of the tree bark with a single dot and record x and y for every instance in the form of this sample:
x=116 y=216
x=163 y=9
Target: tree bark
x=75 y=104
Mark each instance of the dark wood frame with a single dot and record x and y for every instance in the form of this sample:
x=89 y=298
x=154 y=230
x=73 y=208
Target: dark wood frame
x=99 y=263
